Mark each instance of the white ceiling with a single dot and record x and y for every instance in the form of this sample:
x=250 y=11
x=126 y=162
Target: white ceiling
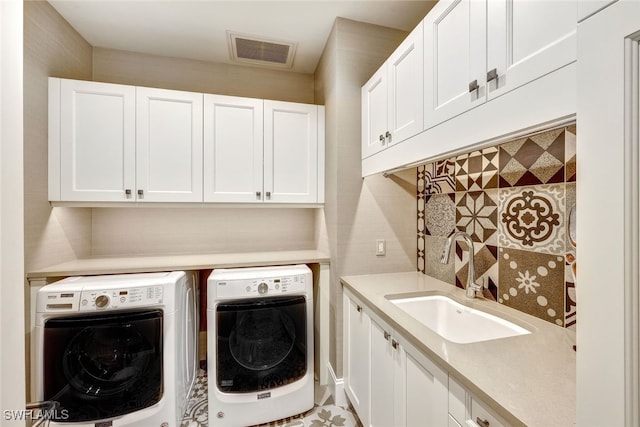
x=198 y=29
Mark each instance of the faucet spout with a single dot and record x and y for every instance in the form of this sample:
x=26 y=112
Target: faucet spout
x=472 y=286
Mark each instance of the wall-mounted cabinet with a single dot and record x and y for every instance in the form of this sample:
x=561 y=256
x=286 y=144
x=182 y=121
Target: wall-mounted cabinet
x=392 y=99
x=476 y=51
x=491 y=68
x=387 y=380
x=119 y=143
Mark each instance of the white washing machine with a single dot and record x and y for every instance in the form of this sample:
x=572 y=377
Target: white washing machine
x=117 y=350
x=259 y=344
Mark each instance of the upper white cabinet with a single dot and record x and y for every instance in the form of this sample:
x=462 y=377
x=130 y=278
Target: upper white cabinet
x=92 y=151
x=476 y=51
x=168 y=145
x=119 y=143
x=291 y=150
x=392 y=99
x=233 y=129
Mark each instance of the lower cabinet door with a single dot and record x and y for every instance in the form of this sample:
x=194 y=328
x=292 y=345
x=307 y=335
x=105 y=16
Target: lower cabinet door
x=384 y=357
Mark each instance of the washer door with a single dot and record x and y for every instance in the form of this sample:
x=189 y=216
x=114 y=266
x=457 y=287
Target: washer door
x=103 y=366
x=261 y=343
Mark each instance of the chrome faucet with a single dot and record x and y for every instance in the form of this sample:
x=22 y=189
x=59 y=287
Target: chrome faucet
x=472 y=286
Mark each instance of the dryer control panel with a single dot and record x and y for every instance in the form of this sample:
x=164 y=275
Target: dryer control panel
x=261 y=287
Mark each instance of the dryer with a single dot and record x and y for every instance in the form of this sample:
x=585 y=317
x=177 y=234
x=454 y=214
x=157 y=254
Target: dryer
x=117 y=350
x=259 y=344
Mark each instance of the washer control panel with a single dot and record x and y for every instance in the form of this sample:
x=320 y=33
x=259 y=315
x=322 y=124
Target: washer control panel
x=261 y=287
x=120 y=298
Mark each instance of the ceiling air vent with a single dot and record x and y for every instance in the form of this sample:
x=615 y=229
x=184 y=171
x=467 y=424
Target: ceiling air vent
x=259 y=51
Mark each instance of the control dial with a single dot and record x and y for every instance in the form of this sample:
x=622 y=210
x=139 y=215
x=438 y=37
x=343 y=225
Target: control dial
x=102 y=301
x=263 y=288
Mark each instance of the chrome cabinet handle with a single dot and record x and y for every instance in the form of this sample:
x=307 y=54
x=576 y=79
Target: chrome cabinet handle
x=258 y=194
x=492 y=75
x=381 y=137
x=473 y=86
x=268 y=194
x=388 y=136
x=141 y=193
x=127 y=193
x=482 y=423
x=387 y=335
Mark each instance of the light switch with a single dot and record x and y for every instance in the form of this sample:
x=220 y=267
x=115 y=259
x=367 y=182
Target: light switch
x=381 y=247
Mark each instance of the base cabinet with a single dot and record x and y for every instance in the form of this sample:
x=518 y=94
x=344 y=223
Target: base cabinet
x=465 y=410
x=404 y=387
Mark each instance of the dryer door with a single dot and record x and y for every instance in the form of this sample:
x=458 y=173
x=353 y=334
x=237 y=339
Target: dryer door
x=103 y=366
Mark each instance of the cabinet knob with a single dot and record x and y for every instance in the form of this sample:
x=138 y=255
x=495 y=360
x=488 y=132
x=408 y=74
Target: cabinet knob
x=127 y=192
x=482 y=423
x=258 y=194
x=388 y=135
x=358 y=308
x=140 y=193
x=382 y=138
x=394 y=344
x=473 y=86
x=492 y=75
x=387 y=335
x=268 y=194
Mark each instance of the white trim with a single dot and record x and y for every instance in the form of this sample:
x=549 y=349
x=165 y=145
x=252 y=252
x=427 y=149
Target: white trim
x=632 y=226
x=336 y=386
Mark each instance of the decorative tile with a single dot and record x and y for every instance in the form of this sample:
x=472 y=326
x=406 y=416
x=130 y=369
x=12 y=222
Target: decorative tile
x=440 y=215
x=533 y=218
x=477 y=215
x=434 y=268
x=421 y=253
x=438 y=177
x=538 y=159
x=477 y=170
x=570 y=260
x=570 y=154
x=485 y=265
x=533 y=283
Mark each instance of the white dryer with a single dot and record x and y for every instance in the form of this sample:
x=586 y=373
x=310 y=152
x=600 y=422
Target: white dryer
x=259 y=344
x=117 y=350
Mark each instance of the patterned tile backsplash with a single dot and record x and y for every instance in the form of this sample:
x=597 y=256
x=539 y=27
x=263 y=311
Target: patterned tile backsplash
x=514 y=200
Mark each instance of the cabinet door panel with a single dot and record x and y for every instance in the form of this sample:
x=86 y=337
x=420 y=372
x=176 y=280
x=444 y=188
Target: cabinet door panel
x=290 y=152
x=454 y=56
x=374 y=113
x=232 y=149
x=382 y=376
x=169 y=145
x=97 y=141
x=357 y=326
x=406 y=93
x=517 y=47
x=426 y=392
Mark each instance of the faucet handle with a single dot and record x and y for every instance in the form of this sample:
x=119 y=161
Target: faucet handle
x=478 y=286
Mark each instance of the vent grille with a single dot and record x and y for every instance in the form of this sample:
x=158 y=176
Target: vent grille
x=260 y=51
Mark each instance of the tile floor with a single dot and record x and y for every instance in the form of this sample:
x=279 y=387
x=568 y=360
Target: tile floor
x=325 y=413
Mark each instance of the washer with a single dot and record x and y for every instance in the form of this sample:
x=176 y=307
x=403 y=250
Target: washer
x=117 y=350
x=259 y=344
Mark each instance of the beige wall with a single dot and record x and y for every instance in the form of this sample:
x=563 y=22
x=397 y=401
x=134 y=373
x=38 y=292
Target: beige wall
x=116 y=66
x=357 y=211
x=51 y=48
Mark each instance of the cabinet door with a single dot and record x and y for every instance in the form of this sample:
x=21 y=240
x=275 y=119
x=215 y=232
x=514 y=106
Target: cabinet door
x=528 y=39
x=357 y=326
x=168 y=145
x=406 y=82
x=426 y=390
x=232 y=149
x=290 y=152
x=374 y=113
x=383 y=373
x=454 y=57
x=96 y=140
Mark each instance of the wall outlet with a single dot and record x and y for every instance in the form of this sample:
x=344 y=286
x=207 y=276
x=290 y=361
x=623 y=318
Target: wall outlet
x=381 y=247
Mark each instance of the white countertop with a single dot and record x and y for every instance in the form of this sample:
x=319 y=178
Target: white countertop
x=528 y=380
x=140 y=264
